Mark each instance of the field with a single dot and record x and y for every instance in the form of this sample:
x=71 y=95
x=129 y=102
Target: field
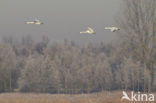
x=105 y=97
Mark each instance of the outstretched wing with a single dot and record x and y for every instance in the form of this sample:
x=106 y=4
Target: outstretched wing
x=108 y=27
x=90 y=29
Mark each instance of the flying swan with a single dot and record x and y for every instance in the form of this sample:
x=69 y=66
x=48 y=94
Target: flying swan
x=112 y=29
x=88 y=31
x=36 y=21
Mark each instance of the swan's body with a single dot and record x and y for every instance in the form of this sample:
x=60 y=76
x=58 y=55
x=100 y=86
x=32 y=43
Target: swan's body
x=88 y=31
x=36 y=21
x=112 y=29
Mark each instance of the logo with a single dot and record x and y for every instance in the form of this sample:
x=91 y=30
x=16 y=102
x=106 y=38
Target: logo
x=137 y=97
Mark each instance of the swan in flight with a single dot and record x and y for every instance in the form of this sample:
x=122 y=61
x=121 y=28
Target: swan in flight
x=36 y=21
x=88 y=31
x=112 y=29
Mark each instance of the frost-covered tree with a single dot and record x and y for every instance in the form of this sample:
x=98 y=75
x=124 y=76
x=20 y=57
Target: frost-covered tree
x=137 y=23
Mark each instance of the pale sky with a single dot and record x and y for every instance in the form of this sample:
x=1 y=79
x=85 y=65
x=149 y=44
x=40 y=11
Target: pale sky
x=62 y=18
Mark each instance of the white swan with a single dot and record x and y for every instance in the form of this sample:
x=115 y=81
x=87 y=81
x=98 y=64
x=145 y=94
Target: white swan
x=112 y=29
x=36 y=21
x=88 y=31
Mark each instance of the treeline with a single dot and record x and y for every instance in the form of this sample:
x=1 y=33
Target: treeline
x=46 y=66
x=53 y=67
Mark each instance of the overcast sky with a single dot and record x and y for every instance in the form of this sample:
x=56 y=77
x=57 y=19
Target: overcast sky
x=62 y=18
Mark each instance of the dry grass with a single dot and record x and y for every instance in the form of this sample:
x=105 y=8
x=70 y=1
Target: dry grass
x=105 y=97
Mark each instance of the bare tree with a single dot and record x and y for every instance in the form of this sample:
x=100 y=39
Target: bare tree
x=7 y=68
x=138 y=29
